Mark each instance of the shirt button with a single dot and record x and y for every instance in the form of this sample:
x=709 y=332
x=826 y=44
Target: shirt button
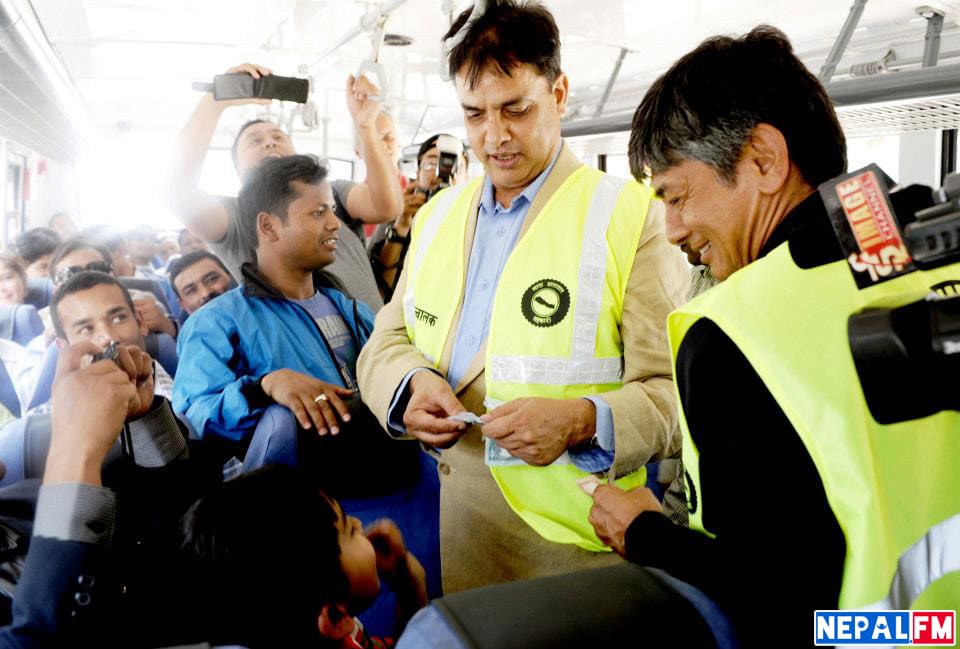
x=444 y=468
x=83 y=599
x=501 y=232
x=484 y=284
x=471 y=341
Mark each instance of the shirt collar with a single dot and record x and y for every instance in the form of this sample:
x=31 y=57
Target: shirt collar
x=489 y=203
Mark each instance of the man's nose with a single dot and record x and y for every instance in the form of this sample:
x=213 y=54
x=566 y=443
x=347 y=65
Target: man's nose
x=496 y=131
x=676 y=231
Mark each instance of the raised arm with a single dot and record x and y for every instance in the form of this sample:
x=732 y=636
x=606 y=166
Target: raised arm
x=200 y=212
x=378 y=200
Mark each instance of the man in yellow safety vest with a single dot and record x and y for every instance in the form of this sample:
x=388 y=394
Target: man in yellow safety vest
x=535 y=296
x=799 y=498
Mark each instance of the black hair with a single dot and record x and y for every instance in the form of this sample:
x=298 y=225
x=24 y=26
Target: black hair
x=34 y=244
x=270 y=543
x=180 y=264
x=268 y=188
x=236 y=139
x=72 y=245
x=83 y=281
x=707 y=104
x=509 y=33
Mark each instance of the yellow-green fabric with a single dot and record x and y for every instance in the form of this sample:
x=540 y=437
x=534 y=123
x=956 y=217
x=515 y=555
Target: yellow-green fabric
x=576 y=256
x=894 y=489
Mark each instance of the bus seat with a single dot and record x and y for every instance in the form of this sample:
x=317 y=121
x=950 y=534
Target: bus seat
x=619 y=598
x=48 y=370
x=39 y=292
x=8 y=392
x=150 y=286
x=19 y=323
x=163 y=349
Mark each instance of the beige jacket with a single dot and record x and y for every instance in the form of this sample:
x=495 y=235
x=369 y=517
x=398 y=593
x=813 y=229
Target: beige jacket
x=481 y=540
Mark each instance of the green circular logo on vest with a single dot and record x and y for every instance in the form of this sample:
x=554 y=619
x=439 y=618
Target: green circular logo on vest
x=545 y=303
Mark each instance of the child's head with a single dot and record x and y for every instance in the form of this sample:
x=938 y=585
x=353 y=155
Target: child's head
x=283 y=561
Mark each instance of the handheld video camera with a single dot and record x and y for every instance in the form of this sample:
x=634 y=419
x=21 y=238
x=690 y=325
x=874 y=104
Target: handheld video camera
x=450 y=150
x=904 y=347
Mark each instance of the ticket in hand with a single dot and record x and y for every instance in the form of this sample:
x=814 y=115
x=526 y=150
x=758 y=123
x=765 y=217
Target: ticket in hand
x=467 y=418
x=589 y=484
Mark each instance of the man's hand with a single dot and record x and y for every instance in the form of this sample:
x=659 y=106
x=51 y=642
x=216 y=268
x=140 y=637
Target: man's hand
x=89 y=406
x=362 y=108
x=431 y=402
x=153 y=316
x=301 y=393
x=614 y=509
x=139 y=368
x=413 y=200
x=539 y=430
x=255 y=71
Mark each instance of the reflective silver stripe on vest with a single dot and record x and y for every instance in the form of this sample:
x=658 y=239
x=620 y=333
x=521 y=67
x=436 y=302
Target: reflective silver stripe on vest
x=581 y=368
x=424 y=239
x=593 y=268
x=555 y=371
x=935 y=555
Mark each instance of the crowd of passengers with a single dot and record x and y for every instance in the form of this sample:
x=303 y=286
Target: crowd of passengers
x=327 y=402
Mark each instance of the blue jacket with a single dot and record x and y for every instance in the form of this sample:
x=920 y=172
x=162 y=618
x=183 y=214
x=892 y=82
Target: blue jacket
x=226 y=347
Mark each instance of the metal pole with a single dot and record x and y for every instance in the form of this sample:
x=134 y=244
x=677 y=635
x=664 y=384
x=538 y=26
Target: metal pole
x=931 y=41
x=385 y=10
x=843 y=39
x=613 y=80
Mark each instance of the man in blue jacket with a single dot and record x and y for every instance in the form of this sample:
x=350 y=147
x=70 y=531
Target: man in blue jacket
x=287 y=336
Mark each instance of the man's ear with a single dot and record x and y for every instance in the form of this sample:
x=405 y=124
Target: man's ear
x=561 y=92
x=267 y=226
x=334 y=622
x=769 y=158
x=143 y=325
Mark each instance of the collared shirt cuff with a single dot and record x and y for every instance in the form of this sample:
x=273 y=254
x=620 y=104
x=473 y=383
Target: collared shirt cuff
x=75 y=511
x=597 y=456
x=156 y=436
x=606 y=439
x=398 y=406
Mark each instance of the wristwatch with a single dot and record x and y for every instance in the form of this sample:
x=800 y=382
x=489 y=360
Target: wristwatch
x=393 y=237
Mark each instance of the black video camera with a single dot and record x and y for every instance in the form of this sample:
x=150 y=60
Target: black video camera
x=903 y=347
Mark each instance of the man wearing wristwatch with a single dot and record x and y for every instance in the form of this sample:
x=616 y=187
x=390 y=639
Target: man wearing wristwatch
x=534 y=296
x=388 y=245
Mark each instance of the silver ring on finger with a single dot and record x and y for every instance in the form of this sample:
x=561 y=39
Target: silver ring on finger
x=320 y=397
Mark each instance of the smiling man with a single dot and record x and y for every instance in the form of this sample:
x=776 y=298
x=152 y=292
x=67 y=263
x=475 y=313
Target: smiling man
x=551 y=324
x=197 y=278
x=267 y=341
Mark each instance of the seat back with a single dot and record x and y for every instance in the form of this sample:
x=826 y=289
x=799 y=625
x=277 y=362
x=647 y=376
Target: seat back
x=163 y=349
x=19 y=323
x=39 y=292
x=48 y=370
x=8 y=393
x=149 y=285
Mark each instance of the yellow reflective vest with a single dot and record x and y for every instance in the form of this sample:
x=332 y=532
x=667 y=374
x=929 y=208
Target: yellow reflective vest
x=555 y=322
x=895 y=489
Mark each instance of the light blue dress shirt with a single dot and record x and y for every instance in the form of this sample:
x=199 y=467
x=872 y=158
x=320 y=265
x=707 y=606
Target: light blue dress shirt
x=498 y=228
